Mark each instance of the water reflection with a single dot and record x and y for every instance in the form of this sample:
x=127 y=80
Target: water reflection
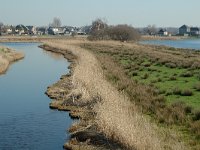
x=26 y=122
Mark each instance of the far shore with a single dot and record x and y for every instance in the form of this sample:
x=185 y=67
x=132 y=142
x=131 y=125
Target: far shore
x=148 y=37
x=7 y=56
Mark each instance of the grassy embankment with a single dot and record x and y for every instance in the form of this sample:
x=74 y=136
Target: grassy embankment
x=164 y=82
x=109 y=117
x=8 y=56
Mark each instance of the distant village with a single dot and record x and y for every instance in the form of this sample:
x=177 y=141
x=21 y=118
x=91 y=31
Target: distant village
x=184 y=30
x=20 y=29
x=32 y=30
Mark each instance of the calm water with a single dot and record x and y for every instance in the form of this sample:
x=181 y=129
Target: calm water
x=26 y=122
x=188 y=43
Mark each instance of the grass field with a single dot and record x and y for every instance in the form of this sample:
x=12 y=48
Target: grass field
x=173 y=83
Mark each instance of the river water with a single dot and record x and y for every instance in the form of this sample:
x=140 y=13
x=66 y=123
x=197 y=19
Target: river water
x=186 y=43
x=26 y=122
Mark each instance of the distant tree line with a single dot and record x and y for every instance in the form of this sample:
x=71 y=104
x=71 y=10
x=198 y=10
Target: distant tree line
x=101 y=31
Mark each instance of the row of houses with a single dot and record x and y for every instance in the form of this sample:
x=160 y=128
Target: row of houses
x=19 y=29
x=32 y=30
x=185 y=30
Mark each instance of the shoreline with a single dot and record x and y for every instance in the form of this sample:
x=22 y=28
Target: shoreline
x=85 y=134
x=174 y=38
x=89 y=101
x=7 y=57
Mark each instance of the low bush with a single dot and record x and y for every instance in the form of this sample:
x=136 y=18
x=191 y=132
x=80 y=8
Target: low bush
x=134 y=73
x=196 y=115
x=172 y=78
x=123 y=33
x=147 y=64
x=188 y=109
x=187 y=74
x=177 y=91
x=98 y=35
x=187 y=92
x=119 y=33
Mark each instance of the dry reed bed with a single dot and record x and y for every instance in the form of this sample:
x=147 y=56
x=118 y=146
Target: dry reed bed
x=8 y=56
x=116 y=116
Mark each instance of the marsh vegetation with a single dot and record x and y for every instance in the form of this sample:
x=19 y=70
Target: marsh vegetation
x=164 y=82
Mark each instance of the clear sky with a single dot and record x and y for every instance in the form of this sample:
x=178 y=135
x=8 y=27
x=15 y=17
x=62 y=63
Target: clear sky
x=139 y=13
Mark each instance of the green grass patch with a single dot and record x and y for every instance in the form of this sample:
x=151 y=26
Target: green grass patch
x=166 y=79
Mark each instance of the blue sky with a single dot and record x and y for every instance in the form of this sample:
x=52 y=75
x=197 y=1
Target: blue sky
x=138 y=13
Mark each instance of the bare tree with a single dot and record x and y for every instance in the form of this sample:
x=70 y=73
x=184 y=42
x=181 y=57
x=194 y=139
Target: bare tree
x=56 y=22
x=99 y=24
x=98 y=30
x=151 y=29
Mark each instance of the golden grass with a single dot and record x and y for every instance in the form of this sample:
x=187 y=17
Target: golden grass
x=7 y=56
x=116 y=116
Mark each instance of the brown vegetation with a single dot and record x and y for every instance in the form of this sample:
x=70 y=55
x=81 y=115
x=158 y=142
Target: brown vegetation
x=7 y=56
x=109 y=117
x=101 y=31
